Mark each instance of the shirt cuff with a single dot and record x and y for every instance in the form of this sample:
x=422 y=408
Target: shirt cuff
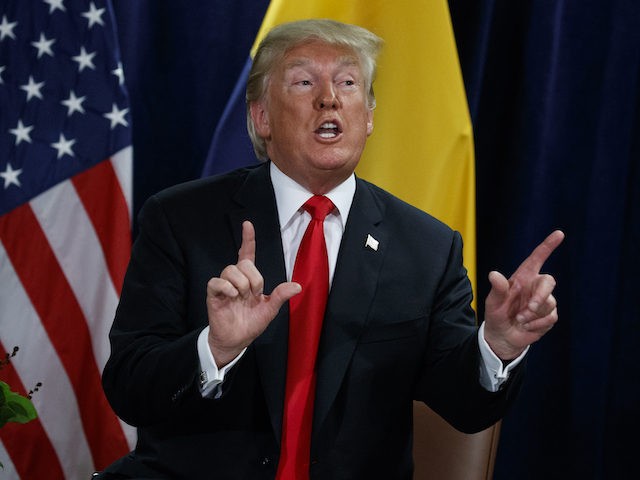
x=211 y=377
x=493 y=373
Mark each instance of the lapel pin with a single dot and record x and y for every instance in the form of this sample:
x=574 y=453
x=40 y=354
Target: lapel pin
x=372 y=243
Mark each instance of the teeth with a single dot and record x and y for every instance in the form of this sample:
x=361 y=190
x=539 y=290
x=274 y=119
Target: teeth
x=329 y=125
x=327 y=135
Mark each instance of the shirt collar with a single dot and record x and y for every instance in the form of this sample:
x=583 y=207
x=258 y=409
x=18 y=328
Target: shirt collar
x=290 y=196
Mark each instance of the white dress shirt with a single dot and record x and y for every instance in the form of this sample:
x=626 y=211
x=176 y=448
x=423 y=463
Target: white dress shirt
x=290 y=196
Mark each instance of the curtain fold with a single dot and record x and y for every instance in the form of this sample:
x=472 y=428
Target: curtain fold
x=554 y=103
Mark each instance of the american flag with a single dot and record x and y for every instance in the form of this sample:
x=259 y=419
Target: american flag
x=65 y=228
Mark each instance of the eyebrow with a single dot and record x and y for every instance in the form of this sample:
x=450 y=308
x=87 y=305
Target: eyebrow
x=344 y=61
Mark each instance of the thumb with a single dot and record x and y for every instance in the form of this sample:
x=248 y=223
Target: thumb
x=499 y=288
x=282 y=293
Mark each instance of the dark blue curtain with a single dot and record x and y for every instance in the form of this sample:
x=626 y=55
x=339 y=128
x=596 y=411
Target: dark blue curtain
x=553 y=90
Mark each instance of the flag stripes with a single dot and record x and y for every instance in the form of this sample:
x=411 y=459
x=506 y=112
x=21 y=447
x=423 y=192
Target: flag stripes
x=110 y=220
x=22 y=454
x=67 y=284
x=66 y=326
x=62 y=425
x=8 y=468
x=122 y=163
x=58 y=211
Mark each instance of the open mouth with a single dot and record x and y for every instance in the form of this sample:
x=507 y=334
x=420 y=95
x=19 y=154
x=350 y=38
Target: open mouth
x=329 y=130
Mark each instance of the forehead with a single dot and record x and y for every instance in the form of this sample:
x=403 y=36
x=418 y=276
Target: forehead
x=316 y=53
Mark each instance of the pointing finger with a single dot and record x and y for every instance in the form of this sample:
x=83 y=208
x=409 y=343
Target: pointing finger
x=248 y=248
x=535 y=261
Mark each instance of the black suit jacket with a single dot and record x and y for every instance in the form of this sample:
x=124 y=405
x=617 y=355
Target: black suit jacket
x=398 y=327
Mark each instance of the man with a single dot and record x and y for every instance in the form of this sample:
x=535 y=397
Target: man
x=211 y=369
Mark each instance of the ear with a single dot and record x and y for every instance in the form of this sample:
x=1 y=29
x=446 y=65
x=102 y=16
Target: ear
x=370 y=122
x=260 y=118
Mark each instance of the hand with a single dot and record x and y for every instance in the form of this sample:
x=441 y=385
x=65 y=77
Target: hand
x=238 y=310
x=519 y=311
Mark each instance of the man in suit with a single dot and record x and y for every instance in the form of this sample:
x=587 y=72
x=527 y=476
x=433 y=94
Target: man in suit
x=200 y=357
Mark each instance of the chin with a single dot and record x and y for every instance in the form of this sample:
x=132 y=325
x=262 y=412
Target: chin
x=336 y=161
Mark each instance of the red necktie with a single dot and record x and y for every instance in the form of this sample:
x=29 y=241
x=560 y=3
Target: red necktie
x=306 y=311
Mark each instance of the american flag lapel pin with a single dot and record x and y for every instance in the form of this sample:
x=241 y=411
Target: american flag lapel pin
x=372 y=243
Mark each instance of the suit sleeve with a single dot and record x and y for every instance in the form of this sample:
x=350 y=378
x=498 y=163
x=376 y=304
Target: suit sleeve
x=450 y=381
x=153 y=365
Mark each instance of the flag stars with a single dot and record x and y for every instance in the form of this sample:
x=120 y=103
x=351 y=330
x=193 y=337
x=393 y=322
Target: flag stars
x=73 y=103
x=94 y=15
x=6 y=28
x=63 y=146
x=44 y=45
x=10 y=176
x=84 y=59
x=118 y=72
x=22 y=132
x=2 y=69
x=55 y=5
x=33 y=89
x=117 y=116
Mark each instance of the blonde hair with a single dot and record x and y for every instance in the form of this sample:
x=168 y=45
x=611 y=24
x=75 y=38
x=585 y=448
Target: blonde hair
x=284 y=37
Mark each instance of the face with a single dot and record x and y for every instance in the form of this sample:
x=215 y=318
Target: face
x=314 y=117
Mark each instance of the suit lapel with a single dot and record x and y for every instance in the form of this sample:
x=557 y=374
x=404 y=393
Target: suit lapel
x=256 y=202
x=352 y=291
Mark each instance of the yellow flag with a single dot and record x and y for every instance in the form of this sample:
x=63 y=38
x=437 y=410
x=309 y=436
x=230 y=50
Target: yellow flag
x=422 y=146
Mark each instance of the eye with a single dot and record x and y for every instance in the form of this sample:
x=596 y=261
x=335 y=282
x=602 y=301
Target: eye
x=347 y=83
x=304 y=83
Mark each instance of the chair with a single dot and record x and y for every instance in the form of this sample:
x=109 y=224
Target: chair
x=442 y=453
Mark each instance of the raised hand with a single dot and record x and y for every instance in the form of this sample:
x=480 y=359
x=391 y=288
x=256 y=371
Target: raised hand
x=520 y=310
x=238 y=309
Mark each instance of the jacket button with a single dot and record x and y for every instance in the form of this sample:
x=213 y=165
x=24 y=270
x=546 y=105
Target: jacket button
x=265 y=462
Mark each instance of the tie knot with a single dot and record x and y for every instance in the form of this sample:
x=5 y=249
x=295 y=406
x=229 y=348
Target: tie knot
x=318 y=207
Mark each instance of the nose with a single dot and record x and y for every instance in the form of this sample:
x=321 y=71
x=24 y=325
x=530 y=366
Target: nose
x=327 y=103
x=327 y=98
